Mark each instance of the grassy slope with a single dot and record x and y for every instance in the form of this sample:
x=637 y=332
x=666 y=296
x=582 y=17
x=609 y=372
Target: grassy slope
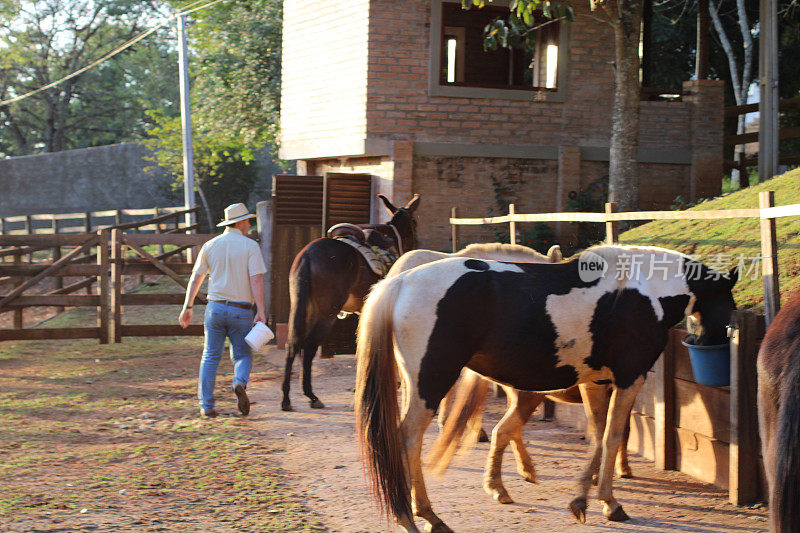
x=735 y=238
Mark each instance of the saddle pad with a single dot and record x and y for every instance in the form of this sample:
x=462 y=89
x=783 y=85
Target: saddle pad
x=379 y=260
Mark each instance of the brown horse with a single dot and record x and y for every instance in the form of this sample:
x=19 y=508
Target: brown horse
x=779 y=416
x=329 y=276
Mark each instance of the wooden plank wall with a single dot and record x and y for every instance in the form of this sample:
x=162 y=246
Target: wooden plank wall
x=297 y=211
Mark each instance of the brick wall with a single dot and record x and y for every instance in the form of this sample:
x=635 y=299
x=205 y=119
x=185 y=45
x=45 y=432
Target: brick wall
x=324 y=72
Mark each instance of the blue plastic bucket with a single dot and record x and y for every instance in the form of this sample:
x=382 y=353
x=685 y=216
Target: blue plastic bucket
x=711 y=364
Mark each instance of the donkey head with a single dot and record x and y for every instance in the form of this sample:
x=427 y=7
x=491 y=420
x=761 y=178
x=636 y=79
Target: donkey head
x=403 y=220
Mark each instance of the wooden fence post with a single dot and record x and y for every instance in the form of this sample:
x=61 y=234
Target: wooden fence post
x=512 y=226
x=103 y=284
x=29 y=231
x=17 y=282
x=664 y=438
x=115 y=333
x=56 y=255
x=87 y=221
x=156 y=214
x=769 y=259
x=265 y=216
x=743 y=478
x=612 y=227
x=454 y=229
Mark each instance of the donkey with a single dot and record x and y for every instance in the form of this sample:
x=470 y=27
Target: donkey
x=326 y=277
x=472 y=388
x=536 y=327
x=779 y=415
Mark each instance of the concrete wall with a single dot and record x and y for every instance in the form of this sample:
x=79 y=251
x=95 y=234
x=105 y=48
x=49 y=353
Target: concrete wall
x=87 y=179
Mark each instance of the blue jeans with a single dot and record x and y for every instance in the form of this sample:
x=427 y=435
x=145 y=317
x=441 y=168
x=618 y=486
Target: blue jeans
x=221 y=321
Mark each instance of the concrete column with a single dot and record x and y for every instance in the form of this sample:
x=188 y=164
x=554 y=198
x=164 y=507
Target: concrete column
x=569 y=180
x=303 y=167
x=706 y=100
x=264 y=212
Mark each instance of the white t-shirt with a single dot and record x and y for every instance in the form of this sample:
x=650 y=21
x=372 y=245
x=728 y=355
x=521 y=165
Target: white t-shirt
x=229 y=260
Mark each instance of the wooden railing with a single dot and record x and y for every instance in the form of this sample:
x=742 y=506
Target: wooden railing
x=767 y=212
x=752 y=137
x=97 y=258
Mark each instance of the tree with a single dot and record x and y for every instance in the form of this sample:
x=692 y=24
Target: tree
x=741 y=61
x=235 y=55
x=625 y=16
x=45 y=40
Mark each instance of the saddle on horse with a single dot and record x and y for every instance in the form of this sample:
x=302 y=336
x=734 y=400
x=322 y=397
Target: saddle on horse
x=379 y=244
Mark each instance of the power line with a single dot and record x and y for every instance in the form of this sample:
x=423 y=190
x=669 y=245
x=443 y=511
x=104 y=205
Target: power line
x=185 y=11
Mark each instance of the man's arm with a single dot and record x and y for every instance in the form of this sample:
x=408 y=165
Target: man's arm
x=195 y=282
x=257 y=286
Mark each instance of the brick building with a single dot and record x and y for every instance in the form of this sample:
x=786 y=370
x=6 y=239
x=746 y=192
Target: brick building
x=402 y=90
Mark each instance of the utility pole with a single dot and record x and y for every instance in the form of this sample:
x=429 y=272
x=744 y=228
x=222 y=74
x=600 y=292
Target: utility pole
x=768 y=85
x=186 y=122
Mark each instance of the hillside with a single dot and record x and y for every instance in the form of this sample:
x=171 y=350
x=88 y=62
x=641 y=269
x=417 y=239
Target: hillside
x=718 y=242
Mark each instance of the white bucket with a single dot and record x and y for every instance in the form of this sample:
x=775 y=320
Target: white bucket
x=259 y=336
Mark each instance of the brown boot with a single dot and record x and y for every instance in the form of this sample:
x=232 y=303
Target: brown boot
x=208 y=414
x=244 y=401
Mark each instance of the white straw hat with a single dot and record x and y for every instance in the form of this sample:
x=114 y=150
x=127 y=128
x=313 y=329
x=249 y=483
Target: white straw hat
x=234 y=213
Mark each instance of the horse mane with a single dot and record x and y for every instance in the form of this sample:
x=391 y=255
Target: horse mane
x=511 y=252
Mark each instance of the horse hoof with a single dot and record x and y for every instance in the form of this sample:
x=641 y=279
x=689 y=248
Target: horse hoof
x=502 y=497
x=482 y=436
x=530 y=477
x=440 y=527
x=578 y=508
x=316 y=404
x=617 y=515
x=594 y=480
x=286 y=406
x=624 y=472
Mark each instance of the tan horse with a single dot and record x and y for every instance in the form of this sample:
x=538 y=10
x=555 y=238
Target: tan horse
x=472 y=389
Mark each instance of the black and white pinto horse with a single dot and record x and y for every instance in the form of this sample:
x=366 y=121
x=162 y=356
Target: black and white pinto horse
x=535 y=327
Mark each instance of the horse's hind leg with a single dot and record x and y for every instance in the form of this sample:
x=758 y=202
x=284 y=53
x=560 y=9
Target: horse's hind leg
x=595 y=405
x=619 y=413
x=291 y=351
x=312 y=342
x=520 y=407
x=415 y=421
x=623 y=466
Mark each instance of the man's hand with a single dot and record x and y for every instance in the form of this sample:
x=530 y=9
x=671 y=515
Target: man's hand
x=260 y=317
x=186 y=317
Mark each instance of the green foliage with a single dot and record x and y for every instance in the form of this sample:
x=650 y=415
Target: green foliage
x=519 y=31
x=589 y=199
x=44 y=40
x=235 y=53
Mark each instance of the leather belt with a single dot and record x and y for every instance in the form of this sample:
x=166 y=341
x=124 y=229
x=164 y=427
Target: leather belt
x=234 y=304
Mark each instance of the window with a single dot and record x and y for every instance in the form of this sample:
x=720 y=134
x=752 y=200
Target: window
x=464 y=63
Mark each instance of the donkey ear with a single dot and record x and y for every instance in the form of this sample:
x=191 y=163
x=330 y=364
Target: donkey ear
x=413 y=204
x=392 y=209
x=733 y=275
x=554 y=254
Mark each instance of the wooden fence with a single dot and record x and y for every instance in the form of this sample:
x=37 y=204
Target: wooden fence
x=710 y=433
x=752 y=137
x=103 y=258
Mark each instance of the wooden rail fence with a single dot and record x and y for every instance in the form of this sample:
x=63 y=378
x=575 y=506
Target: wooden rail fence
x=102 y=257
x=752 y=137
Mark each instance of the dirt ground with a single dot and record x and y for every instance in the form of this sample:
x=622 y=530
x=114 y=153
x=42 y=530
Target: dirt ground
x=321 y=460
x=107 y=438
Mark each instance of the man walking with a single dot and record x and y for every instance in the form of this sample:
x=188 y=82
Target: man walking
x=234 y=266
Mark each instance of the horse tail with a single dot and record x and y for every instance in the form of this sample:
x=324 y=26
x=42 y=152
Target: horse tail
x=300 y=298
x=463 y=424
x=377 y=411
x=785 y=490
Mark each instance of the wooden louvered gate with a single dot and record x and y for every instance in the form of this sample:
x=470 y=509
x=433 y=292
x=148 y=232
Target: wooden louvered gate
x=304 y=207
